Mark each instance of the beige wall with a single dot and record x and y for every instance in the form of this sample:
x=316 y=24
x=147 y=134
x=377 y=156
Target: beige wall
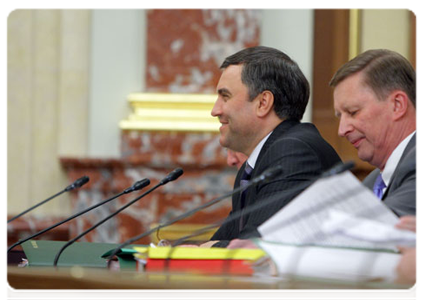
x=47 y=103
x=294 y=37
x=117 y=69
x=387 y=28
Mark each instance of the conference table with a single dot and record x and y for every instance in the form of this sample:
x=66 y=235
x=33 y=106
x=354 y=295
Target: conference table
x=100 y=283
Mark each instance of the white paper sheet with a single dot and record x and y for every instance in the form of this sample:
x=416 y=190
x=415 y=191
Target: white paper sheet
x=386 y=235
x=332 y=263
x=300 y=222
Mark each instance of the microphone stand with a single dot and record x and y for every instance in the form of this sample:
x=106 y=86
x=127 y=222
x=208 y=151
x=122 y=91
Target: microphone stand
x=128 y=190
x=170 y=177
x=337 y=169
x=266 y=175
x=78 y=183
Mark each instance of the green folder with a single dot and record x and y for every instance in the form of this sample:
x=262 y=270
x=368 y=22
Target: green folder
x=125 y=257
x=43 y=253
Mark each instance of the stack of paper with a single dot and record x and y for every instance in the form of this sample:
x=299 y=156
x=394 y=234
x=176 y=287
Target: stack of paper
x=332 y=263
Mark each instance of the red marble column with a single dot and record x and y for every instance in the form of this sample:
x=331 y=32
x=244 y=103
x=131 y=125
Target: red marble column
x=186 y=47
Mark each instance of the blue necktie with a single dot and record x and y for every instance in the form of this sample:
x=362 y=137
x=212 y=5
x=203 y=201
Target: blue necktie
x=246 y=175
x=379 y=186
x=245 y=178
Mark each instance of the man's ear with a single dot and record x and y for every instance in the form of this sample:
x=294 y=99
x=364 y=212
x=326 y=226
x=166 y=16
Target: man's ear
x=400 y=103
x=265 y=103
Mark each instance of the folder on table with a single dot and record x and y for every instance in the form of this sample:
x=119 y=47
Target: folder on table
x=43 y=253
x=199 y=260
x=125 y=257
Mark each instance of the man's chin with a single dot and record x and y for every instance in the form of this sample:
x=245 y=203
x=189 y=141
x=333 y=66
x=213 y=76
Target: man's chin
x=223 y=142
x=365 y=157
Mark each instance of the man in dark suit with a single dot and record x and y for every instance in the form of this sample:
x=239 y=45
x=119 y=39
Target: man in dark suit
x=375 y=101
x=262 y=96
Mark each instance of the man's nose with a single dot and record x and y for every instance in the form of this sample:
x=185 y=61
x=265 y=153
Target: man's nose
x=232 y=162
x=345 y=127
x=217 y=109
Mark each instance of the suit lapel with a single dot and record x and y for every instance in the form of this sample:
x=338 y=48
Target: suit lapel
x=410 y=146
x=236 y=198
x=276 y=134
x=280 y=130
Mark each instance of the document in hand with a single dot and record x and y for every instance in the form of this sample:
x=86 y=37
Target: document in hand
x=303 y=220
x=335 y=229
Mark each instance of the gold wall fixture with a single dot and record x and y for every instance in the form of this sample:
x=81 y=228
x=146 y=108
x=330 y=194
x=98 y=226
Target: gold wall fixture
x=354 y=40
x=171 y=112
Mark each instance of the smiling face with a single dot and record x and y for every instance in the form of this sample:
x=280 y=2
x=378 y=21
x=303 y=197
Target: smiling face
x=235 y=112
x=364 y=120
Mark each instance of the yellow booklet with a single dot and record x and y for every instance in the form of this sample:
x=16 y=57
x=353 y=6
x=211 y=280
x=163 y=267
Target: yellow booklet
x=198 y=253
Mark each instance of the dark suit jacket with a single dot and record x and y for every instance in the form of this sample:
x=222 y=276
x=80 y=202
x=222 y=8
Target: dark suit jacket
x=400 y=195
x=302 y=152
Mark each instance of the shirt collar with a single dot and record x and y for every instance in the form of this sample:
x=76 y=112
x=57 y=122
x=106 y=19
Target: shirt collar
x=394 y=159
x=252 y=159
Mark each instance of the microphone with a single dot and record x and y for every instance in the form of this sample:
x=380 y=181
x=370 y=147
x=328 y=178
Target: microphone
x=135 y=187
x=77 y=184
x=175 y=174
x=337 y=169
x=265 y=176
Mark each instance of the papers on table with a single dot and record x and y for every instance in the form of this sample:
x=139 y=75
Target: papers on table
x=332 y=263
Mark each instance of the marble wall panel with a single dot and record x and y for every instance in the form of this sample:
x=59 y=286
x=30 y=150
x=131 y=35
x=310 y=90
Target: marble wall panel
x=173 y=149
x=29 y=224
x=186 y=47
x=110 y=177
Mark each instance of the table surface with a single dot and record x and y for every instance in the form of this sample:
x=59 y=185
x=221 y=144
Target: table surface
x=99 y=278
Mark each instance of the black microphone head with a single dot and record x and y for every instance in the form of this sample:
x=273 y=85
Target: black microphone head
x=78 y=183
x=141 y=184
x=175 y=174
x=81 y=181
x=138 y=185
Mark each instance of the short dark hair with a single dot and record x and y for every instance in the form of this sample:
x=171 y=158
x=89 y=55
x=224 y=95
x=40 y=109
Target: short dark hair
x=384 y=71
x=269 y=69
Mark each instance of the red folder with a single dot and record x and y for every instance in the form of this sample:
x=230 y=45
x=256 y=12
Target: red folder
x=202 y=266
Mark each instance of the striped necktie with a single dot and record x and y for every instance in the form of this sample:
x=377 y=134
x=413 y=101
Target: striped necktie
x=379 y=186
x=246 y=175
x=245 y=178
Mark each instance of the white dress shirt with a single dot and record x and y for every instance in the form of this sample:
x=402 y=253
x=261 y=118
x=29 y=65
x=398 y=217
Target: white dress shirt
x=252 y=159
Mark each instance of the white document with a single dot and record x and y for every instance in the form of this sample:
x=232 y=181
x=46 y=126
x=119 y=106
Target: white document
x=332 y=263
x=386 y=235
x=301 y=221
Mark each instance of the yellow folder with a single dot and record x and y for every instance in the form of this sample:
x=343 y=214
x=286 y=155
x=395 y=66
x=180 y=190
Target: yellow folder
x=198 y=253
